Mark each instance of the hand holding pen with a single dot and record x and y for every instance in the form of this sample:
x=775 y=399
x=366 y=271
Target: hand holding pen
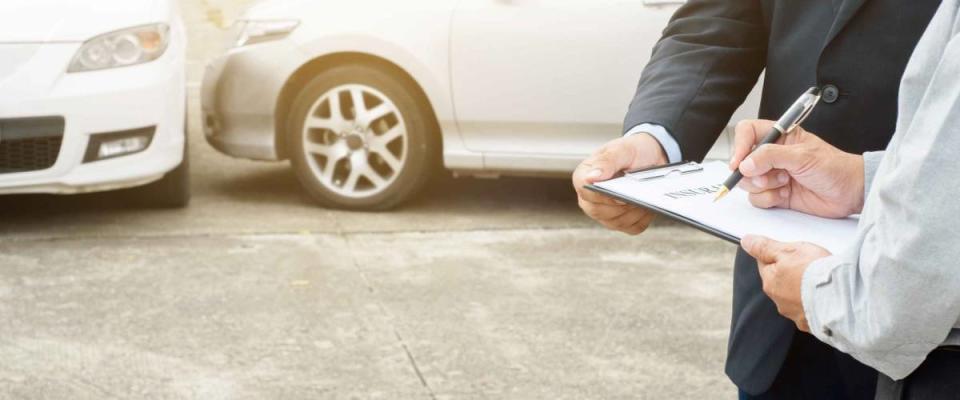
x=800 y=172
x=791 y=119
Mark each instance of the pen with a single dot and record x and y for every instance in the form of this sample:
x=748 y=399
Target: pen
x=794 y=116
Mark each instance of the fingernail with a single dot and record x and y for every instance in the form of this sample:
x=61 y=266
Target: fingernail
x=595 y=173
x=757 y=181
x=748 y=165
x=784 y=192
x=783 y=177
x=619 y=202
x=747 y=241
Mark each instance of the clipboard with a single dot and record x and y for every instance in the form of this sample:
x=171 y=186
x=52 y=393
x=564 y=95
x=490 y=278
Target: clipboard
x=684 y=192
x=665 y=172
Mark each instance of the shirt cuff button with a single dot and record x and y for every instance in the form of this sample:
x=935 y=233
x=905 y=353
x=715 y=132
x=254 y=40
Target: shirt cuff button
x=827 y=332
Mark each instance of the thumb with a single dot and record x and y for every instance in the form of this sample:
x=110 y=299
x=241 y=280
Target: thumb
x=791 y=158
x=765 y=250
x=608 y=162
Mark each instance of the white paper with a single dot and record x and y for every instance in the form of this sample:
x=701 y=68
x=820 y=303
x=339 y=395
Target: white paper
x=692 y=196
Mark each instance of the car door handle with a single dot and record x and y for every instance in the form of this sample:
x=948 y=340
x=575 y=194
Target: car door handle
x=655 y=3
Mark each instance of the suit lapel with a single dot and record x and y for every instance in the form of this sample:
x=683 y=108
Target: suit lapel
x=845 y=12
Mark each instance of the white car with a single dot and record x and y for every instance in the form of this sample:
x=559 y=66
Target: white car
x=367 y=97
x=92 y=98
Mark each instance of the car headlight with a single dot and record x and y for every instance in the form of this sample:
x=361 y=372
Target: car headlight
x=122 y=48
x=247 y=32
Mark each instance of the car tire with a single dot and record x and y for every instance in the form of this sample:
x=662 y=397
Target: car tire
x=372 y=157
x=171 y=191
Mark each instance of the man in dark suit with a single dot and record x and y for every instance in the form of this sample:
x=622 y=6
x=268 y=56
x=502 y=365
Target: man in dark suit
x=708 y=59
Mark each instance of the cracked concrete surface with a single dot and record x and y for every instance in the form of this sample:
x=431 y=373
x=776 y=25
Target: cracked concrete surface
x=476 y=290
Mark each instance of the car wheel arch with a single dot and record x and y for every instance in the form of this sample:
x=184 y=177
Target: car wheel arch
x=319 y=64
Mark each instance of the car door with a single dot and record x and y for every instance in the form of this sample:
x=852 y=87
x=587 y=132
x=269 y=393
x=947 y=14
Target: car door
x=551 y=78
x=539 y=84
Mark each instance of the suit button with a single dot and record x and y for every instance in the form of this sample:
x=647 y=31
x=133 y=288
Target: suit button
x=827 y=332
x=831 y=94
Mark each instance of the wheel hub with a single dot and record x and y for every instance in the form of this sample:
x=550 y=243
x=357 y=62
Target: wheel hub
x=355 y=141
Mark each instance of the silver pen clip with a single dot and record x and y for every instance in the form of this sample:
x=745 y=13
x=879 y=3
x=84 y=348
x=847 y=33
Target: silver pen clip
x=665 y=171
x=808 y=101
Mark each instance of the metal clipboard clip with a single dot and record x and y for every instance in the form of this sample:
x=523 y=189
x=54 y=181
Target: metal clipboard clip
x=680 y=168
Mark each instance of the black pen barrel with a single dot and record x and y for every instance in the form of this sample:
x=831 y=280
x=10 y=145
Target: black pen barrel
x=771 y=137
x=736 y=176
x=733 y=180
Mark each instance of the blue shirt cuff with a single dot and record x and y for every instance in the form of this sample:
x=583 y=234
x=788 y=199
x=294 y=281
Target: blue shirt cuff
x=667 y=142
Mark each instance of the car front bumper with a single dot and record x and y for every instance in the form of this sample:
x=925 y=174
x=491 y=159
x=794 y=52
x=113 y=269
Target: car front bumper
x=150 y=95
x=239 y=98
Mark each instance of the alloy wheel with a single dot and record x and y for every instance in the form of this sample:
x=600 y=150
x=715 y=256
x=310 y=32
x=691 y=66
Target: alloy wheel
x=355 y=140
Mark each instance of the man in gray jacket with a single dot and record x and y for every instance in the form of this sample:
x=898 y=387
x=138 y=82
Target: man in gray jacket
x=892 y=300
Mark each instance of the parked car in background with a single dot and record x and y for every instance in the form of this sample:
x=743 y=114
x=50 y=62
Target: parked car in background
x=367 y=97
x=92 y=98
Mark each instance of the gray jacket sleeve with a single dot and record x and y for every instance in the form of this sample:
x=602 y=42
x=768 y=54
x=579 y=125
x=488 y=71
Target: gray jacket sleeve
x=871 y=162
x=895 y=296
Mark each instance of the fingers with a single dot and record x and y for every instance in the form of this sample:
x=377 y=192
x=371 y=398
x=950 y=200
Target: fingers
x=611 y=159
x=589 y=197
x=765 y=250
x=769 y=190
x=628 y=219
x=619 y=155
x=604 y=212
x=641 y=225
x=769 y=181
x=792 y=159
x=774 y=198
x=747 y=134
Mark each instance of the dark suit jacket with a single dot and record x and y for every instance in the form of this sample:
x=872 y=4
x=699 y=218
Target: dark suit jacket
x=709 y=58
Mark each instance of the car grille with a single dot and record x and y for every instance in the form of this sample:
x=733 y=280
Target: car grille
x=28 y=154
x=29 y=144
